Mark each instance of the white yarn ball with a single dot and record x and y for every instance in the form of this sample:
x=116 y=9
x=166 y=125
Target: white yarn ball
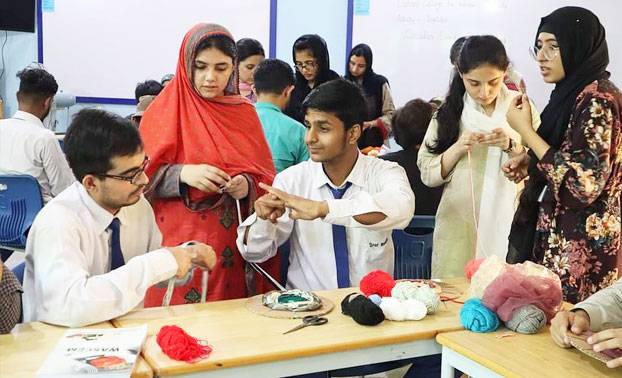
x=429 y=297
x=404 y=290
x=415 y=310
x=393 y=309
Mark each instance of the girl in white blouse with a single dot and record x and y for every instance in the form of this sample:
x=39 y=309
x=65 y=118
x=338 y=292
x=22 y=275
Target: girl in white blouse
x=466 y=143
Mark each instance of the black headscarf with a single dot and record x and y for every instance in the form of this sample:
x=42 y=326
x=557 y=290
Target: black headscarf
x=585 y=57
x=372 y=82
x=318 y=47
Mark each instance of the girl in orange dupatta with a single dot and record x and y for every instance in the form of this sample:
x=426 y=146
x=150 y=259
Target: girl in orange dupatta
x=207 y=149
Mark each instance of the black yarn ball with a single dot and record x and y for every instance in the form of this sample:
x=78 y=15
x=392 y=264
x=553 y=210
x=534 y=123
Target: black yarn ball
x=362 y=309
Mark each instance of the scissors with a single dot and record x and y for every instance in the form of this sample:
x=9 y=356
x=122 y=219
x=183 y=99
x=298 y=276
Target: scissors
x=310 y=320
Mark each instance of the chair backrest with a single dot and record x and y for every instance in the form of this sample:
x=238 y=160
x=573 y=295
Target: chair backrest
x=20 y=201
x=18 y=271
x=413 y=248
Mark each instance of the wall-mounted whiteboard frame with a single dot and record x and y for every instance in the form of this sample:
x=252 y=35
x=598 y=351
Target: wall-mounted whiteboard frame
x=99 y=49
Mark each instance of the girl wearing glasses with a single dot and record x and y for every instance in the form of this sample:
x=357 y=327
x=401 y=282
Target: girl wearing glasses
x=207 y=150
x=568 y=218
x=464 y=148
x=377 y=94
x=312 y=69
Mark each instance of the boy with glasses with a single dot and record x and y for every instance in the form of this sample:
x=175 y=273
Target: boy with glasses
x=86 y=259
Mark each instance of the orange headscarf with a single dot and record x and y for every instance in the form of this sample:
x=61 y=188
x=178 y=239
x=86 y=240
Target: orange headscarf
x=182 y=127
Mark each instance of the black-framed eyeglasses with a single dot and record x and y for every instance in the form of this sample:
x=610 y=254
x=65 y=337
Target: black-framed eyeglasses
x=306 y=64
x=133 y=178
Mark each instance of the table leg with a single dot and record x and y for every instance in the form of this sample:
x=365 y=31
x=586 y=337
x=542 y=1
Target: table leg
x=447 y=370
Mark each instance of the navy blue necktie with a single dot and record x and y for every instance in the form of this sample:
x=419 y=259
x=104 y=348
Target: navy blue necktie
x=116 y=256
x=340 y=244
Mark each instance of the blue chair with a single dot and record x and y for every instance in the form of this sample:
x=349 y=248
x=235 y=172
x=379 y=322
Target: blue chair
x=20 y=201
x=18 y=271
x=413 y=248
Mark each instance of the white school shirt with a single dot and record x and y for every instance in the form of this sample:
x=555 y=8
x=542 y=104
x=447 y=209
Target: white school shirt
x=27 y=147
x=377 y=186
x=68 y=280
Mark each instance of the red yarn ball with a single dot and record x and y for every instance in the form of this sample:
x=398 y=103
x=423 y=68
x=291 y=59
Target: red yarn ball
x=377 y=282
x=178 y=345
x=472 y=267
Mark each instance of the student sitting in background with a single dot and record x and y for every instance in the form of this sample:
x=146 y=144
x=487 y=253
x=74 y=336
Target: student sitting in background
x=86 y=255
x=147 y=88
x=26 y=146
x=312 y=63
x=10 y=300
x=410 y=124
x=143 y=104
x=166 y=79
x=144 y=93
x=274 y=82
x=250 y=54
x=602 y=313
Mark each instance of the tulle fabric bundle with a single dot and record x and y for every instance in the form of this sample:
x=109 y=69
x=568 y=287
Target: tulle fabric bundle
x=514 y=289
x=492 y=267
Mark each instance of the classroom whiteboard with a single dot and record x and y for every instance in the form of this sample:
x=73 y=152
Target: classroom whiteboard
x=103 y=48
x=411 y=39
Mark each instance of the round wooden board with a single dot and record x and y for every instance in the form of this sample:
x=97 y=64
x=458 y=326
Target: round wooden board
x=253 y=304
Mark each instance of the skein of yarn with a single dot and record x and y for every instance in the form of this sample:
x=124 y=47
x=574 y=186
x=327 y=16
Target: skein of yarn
x=376 y=299
x=476 y=317
x=472 y=267
x=361 y=309
x=377 y=282
x=415 y=310
x=178 y=345
x=397 y=310
x=527 y=319
x=405 y=290
x=393 y=309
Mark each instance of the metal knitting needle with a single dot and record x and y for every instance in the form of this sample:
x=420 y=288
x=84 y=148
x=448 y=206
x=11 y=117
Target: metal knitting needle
x=267 y=276
x=256 y=267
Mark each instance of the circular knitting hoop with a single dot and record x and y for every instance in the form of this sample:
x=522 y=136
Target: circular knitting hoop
x=255 y=305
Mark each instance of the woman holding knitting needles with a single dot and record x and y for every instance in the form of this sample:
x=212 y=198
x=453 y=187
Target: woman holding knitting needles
x=465 y=146
x=568 y=218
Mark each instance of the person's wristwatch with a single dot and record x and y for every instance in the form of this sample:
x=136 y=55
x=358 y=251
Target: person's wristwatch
x=511 y=146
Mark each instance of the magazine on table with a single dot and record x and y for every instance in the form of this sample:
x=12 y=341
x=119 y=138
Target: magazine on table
x=109 y=352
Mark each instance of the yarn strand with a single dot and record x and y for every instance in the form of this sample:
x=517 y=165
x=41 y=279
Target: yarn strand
x=475 y=220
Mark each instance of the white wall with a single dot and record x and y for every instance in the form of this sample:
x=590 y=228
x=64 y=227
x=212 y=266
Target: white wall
x=294 y=18
x=328 y=18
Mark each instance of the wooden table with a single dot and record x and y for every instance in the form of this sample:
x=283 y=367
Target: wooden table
x=247 y=344
x=23 y=351
x=486 y=355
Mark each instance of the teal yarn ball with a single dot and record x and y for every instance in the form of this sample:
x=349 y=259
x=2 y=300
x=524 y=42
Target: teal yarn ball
x=476 y=317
